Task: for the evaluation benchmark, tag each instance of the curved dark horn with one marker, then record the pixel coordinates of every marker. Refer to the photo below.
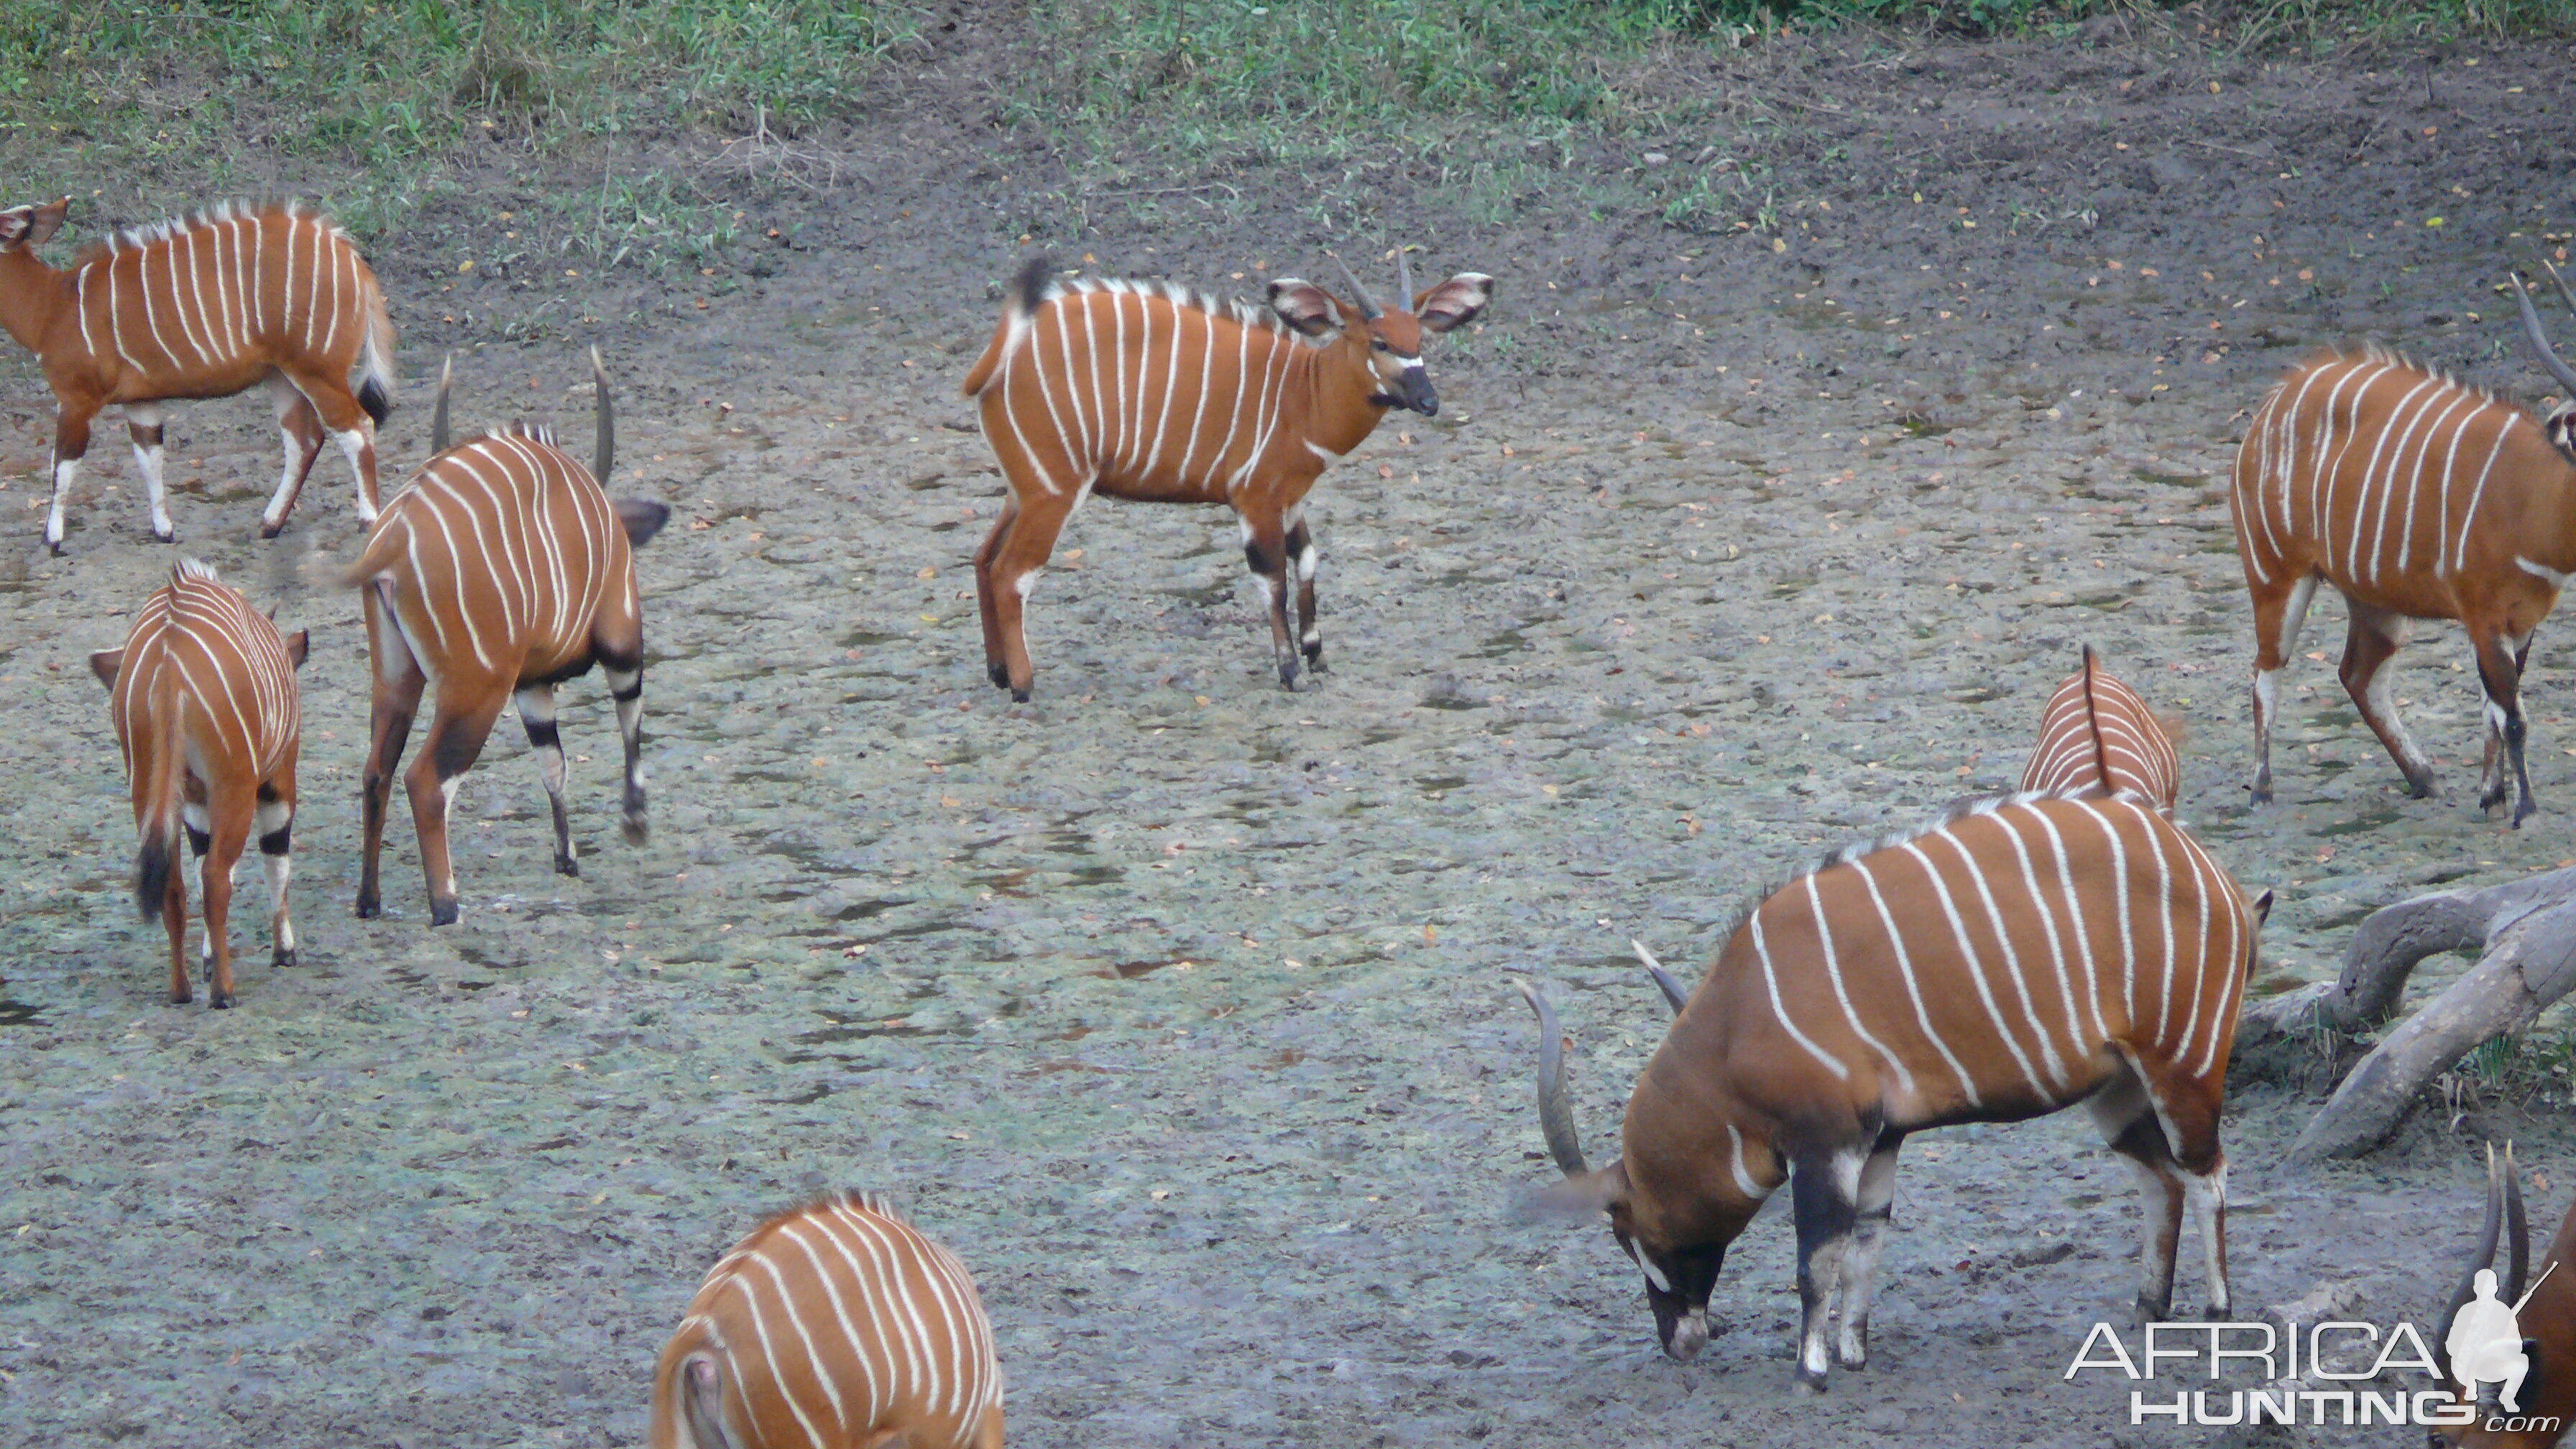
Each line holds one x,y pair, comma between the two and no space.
1369,310
1674,996
1403,279
1555,1119
2540,340
2483,1257
607,456
2563,294
2517,1232
438,415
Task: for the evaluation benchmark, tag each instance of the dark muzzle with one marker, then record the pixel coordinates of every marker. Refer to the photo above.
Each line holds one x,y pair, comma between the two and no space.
1413,390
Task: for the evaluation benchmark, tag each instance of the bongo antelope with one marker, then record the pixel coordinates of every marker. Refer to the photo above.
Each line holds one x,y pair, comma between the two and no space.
2099,734
2417,497
2017,956
836,1326
206,711
204,306
1150,392
2545,1398
499,571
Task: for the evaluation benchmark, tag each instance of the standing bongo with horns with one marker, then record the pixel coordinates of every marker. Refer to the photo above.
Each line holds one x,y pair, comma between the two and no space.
1150,392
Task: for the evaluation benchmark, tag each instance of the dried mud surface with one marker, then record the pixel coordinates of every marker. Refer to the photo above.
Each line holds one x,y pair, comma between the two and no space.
1175,1003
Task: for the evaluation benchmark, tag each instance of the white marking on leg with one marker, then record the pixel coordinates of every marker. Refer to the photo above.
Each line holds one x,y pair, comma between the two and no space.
350,443
147,458
1026,582
2207,1197
1306,559
64,468
279,869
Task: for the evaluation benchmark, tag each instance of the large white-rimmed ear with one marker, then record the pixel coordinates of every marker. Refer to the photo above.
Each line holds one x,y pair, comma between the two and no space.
1583,1195
1454,302
48,219
2262,909
15,226
298,644
2560,429
105,663
1304,306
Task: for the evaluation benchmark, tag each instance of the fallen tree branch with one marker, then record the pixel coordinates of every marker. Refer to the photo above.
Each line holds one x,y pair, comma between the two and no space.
2527,929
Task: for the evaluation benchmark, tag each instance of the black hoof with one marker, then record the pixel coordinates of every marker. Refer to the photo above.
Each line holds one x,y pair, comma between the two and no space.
219,1000
369,906
2419,789
442,913
2149,1311
181,998
170,537
1288,676
1000,674
2259,794
55,548
271,530
284,957
1810,1382
636,832
1315,658
566,865
1019,696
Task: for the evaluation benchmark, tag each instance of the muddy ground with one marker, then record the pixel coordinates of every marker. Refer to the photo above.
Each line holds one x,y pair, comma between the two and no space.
1174,1002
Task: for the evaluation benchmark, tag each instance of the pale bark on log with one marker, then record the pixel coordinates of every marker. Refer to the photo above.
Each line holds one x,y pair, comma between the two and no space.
2528,931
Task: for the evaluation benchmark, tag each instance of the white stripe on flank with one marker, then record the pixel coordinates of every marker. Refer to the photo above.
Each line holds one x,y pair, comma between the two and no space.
2012,956
1064,310
152,314
2468,520
2048,927
1913,988
1206,355
2417,480
2329,459
881,1397
1834,974
2076,928
823,1376
2387,483
1037,373
1103,441
1171,355
741,1283
1122,447
1969,963
1771,980
898,1296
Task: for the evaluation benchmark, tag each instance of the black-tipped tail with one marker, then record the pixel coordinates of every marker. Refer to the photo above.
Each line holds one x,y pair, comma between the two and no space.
373,397
1028,289
151,875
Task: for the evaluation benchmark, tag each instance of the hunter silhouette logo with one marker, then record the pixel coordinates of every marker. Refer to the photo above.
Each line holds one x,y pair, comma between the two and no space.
2486,1343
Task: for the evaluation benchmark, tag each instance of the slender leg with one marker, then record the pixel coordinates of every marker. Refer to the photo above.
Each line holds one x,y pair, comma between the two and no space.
398,684
300,431
2374,638
2500,671
986,605
1824,1188
231,812
350,427
143,428
454,742
1874,1204
71,441
537,713
174,919
626,687
2279,615
2128,1123
1016,562
277,860
2207,1193
1265,549
1301,556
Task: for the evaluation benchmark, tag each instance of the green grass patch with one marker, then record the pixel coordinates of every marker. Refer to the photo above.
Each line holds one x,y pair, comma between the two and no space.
172,101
